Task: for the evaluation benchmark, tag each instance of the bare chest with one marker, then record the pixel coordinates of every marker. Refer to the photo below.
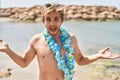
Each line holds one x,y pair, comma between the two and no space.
43,50
45,55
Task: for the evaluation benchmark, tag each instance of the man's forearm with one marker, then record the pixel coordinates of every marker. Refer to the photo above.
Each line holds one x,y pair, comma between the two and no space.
16,58
89,59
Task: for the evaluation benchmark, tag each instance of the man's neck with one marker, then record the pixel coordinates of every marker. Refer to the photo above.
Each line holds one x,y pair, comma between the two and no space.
56,37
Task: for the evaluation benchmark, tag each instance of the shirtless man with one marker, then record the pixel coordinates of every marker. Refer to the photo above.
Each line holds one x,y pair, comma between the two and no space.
52,18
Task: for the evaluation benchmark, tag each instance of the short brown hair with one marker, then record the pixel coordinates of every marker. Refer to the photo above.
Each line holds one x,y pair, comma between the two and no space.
47,8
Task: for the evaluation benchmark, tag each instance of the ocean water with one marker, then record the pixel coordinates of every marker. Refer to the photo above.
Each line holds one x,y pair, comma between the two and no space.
91,36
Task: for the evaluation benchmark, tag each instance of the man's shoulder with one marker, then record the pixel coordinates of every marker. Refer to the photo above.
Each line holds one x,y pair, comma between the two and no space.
72,35
36,37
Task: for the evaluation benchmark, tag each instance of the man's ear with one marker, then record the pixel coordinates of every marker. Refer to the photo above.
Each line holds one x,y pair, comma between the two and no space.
43,19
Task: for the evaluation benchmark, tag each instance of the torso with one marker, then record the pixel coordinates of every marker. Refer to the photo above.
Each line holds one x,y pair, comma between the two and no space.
47,62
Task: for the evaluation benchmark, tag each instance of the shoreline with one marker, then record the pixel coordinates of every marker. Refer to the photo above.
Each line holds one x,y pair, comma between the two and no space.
99,70
8,19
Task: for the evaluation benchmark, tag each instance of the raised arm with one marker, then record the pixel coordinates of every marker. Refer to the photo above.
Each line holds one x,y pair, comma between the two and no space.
21,61
83,60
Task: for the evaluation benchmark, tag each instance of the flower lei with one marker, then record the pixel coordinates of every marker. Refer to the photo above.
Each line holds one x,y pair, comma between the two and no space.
64,64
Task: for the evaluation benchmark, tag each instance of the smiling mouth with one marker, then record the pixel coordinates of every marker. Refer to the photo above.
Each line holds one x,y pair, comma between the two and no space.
53,29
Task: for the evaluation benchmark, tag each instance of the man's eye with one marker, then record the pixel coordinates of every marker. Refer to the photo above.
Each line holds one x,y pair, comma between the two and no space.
48,20
56,19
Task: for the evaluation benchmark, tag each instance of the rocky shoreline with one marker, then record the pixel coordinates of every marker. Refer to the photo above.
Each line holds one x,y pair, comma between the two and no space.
73,12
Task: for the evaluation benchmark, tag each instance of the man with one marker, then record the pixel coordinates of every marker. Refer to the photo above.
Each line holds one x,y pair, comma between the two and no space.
55,48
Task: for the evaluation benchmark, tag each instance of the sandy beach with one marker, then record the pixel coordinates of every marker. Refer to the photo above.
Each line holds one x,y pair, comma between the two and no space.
17,73
6,19
100,70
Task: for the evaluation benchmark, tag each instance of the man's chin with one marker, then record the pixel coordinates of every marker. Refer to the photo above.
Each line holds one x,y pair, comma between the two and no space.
53,33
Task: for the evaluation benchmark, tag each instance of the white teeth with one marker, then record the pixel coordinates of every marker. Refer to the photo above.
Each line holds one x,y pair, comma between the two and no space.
53,29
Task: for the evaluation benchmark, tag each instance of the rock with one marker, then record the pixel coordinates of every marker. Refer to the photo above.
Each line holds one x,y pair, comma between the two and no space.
5,73
72,12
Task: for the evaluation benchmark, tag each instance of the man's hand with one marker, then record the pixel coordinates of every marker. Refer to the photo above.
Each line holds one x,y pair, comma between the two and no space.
3,46
104,54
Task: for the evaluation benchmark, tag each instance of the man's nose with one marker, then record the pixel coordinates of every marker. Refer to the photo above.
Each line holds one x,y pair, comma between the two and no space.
53,23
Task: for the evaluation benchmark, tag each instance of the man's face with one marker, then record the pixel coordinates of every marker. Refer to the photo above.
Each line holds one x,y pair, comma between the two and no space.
53,22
